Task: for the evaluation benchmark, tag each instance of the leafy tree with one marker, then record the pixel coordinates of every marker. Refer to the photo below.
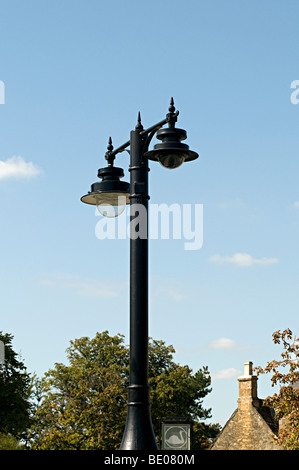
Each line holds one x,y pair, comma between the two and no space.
15,390
175,391
286,402
84,403
204,434
8,442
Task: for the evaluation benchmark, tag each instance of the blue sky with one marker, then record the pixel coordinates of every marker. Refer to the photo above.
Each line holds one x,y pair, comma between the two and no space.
78,72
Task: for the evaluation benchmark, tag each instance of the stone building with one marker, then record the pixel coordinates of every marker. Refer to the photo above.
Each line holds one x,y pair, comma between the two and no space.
252,426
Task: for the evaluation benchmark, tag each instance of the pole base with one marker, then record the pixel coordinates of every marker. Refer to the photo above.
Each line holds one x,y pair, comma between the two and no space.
138,433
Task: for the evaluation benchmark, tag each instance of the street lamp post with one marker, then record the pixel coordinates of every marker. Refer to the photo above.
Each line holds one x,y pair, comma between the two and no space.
171,153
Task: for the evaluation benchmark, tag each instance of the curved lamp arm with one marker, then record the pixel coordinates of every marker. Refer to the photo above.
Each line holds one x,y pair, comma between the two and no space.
149,133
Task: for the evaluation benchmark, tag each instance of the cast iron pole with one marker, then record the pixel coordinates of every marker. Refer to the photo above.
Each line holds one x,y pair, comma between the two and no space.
138,434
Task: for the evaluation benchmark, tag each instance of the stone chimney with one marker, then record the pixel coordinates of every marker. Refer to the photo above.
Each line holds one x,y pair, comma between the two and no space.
247,389
251,426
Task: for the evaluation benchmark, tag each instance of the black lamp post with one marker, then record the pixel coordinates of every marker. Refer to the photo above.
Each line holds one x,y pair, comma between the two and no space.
109,193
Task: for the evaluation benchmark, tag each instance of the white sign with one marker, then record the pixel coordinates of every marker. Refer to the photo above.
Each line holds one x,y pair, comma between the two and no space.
176,436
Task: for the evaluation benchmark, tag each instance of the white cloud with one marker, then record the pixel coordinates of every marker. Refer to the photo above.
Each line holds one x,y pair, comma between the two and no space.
16,167
85,287
242,259
223,343
225,374
296,204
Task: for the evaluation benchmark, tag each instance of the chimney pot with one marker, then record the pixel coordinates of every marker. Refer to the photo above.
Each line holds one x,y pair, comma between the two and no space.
247,368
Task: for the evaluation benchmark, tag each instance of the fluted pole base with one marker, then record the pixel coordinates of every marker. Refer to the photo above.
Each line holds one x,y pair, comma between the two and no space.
138,434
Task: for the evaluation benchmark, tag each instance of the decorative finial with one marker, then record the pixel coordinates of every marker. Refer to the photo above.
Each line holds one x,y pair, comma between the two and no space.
108,155
172,116
110,146
171,108
139,125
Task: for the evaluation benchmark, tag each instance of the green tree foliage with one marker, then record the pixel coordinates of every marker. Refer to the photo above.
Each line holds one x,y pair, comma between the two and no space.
8,442
175,391
84,403
15,391
285,403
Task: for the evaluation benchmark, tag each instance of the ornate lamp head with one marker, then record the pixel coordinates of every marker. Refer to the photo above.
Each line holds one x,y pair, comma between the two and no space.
109,195
171,152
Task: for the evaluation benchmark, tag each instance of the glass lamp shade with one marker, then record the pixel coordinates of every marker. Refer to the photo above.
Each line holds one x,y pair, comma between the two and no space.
108,204
171,160
111,204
